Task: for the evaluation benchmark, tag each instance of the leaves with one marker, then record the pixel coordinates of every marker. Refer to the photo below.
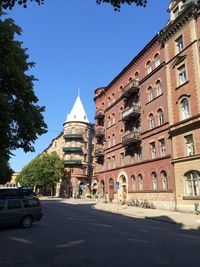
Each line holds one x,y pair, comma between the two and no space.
42,171
9,4
21,119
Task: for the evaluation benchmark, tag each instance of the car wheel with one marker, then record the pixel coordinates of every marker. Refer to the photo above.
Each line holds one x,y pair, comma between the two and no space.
27,222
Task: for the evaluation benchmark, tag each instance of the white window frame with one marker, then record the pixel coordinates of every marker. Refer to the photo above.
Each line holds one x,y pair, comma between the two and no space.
185,108
192,184
153,150
182,77
162,147
189,143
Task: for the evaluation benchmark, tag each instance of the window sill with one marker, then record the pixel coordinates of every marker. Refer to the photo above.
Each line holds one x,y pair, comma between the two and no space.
153,99
191,198
178,87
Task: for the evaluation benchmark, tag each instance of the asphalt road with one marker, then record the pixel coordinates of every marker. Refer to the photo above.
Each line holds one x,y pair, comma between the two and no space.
79,236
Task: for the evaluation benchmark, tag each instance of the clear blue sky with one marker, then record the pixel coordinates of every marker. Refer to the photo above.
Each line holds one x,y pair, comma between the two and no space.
77,43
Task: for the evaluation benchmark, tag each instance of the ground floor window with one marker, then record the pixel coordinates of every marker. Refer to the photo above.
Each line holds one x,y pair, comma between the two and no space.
192,183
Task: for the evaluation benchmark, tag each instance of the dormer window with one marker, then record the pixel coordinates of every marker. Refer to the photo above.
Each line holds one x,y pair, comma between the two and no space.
179,43
176,12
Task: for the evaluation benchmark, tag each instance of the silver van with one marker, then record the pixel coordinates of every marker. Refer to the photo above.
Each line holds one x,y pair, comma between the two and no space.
20,210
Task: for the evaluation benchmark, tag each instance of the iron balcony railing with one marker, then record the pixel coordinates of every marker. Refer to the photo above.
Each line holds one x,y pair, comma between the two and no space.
132,137
99,152
73,162
100,113
132,111
72,149
99,132
73,136
131,88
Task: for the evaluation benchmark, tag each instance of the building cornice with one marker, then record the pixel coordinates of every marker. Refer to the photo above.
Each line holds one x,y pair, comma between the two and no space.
190,12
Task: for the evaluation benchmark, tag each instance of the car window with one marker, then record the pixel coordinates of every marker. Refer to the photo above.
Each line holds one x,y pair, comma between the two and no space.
30,203
14,204
2,204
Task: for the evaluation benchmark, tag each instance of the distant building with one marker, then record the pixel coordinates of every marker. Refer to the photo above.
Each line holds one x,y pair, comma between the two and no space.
12,182
75,146
148,119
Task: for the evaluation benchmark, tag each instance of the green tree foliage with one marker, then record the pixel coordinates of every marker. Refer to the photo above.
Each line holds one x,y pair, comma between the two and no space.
115,3
42,171
21,119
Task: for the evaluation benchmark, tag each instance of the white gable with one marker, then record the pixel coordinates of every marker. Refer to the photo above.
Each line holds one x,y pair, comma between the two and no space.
77,113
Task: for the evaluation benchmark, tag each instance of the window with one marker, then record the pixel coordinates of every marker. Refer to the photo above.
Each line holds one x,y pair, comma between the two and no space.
73,130
154,181
162,147
189,145
113,139
133,183
153,150
113,98
14,204
113,161
109,102
122,159
179,43
182,75
140,179
149,67
150,93
157,60
109,121
113,118
109,142
158,88
151,121
164,180
109,163
137,76
29,203
185,110
160,117
176,12
192,183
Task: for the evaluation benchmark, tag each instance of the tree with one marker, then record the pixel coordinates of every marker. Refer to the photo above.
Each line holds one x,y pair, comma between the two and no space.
21,119
115,3
41,172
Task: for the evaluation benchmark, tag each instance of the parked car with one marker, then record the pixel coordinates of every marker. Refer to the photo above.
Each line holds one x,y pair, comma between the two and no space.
19,209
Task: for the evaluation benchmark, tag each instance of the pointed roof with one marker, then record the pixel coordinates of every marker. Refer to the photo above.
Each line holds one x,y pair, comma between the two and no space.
77,113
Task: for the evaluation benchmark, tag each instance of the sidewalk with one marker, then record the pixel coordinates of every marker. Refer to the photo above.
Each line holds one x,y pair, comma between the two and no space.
185,220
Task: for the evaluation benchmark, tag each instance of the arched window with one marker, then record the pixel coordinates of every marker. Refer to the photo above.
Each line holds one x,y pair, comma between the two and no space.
113,118
109,102
185,108
159,88
109,142
157,60
133,183
137,76
113,98
151,121
150,93
140,179
164,180
149,67
109,121
154,181
160,117
113,139
192,184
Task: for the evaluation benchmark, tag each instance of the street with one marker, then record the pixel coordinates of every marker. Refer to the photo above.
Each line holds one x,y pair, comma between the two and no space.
78,235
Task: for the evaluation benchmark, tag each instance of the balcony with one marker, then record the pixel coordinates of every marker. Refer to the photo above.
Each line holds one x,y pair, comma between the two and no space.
73,162
100,113
131,88
99,152
130,138
73,136
99,132
130,112
72,149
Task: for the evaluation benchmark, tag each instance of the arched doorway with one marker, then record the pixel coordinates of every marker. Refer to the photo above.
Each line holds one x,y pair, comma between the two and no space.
111,189
123,189
82,188
102,188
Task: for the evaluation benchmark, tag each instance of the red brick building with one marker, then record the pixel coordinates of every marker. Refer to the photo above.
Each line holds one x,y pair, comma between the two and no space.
135,116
